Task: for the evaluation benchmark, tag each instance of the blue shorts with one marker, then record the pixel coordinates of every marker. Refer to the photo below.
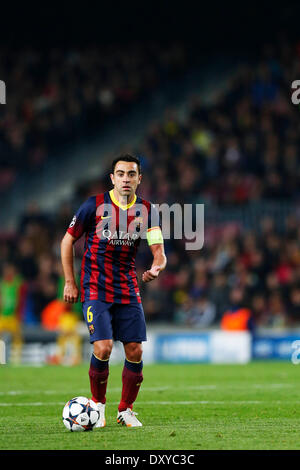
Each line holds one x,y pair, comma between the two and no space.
120,322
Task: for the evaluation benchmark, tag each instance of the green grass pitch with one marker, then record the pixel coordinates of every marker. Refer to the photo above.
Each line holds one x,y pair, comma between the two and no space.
182,407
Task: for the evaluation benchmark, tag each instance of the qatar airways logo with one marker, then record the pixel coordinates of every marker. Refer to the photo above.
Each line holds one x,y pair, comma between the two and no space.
120,237
180,222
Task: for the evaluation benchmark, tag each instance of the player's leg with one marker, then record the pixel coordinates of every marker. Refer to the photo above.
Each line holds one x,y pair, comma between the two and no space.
98,319
130,328
98,374
132,377
99,369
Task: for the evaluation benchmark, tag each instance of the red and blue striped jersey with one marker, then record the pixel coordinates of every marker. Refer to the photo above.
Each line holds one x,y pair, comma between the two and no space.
112,236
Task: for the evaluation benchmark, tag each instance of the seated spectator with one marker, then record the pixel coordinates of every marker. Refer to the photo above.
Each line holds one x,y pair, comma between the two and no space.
294,306
238,317
259,309
202,312
277,312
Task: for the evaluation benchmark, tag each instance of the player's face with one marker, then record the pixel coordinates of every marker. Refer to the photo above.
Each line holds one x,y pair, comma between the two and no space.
126,178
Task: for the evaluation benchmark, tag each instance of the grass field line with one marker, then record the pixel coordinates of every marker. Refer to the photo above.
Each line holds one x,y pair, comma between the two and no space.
112,389
167,403
152,389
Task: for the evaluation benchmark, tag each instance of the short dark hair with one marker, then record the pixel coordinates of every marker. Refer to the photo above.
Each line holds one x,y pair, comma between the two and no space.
126,157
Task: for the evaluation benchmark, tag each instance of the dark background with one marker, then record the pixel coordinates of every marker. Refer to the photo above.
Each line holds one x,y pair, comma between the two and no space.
210,25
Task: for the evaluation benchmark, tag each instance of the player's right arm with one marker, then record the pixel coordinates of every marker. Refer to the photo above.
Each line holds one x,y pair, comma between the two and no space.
71,292
80,224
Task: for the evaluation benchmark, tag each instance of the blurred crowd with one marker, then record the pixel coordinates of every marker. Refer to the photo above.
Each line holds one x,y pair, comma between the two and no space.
243,148
59,96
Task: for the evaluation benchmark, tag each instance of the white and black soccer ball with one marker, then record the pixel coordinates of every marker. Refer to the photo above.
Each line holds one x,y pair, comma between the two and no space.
80,414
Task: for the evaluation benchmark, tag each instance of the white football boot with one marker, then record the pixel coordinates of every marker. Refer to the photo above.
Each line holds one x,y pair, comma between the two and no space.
101,421
128,418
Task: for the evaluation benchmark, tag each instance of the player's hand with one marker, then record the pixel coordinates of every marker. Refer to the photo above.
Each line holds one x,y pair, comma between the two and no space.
71,293
151,274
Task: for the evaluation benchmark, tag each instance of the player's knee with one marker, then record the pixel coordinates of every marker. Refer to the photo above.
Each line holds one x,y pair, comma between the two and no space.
134,352
102,350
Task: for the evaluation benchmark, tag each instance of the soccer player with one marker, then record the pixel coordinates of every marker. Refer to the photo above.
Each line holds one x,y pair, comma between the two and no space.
114,223
10,301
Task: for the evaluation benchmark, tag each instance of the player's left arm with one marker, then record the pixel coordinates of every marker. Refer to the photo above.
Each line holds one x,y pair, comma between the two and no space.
156,244
159,262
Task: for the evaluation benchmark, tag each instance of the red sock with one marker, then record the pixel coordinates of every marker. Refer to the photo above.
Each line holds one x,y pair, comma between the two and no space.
132,378
98,374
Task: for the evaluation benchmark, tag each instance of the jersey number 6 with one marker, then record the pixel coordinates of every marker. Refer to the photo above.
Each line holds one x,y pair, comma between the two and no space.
89,315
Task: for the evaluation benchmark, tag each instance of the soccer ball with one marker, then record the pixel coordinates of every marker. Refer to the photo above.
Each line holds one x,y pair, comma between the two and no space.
80,414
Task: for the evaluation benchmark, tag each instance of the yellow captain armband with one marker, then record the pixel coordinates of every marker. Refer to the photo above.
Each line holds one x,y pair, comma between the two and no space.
154,235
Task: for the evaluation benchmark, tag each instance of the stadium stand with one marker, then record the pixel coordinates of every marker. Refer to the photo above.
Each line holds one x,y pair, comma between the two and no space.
70,93
235,156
